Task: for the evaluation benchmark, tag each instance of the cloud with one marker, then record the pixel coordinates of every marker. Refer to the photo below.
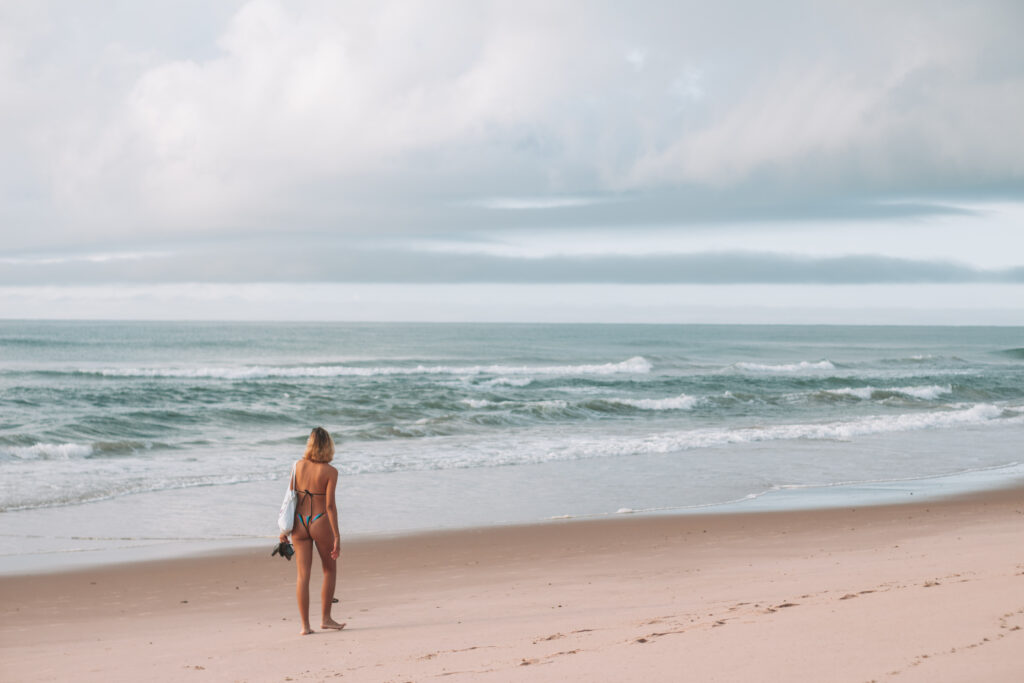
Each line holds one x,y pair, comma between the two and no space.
396,117
273,261
978,304
528,203
66,258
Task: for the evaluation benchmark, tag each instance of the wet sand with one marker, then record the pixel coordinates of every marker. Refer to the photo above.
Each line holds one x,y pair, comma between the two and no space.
923,592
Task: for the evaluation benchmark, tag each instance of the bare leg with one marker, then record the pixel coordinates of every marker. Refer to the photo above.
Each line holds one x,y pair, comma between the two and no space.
303,564
324,544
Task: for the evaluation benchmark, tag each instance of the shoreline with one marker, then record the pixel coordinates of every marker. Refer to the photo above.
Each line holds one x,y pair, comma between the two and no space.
713,516
929,590
932,489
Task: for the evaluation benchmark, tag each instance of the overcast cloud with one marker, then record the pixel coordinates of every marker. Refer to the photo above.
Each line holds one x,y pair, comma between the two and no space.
295,263
442,142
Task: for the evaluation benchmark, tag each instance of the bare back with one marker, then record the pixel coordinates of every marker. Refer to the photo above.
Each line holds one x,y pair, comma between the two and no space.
315,483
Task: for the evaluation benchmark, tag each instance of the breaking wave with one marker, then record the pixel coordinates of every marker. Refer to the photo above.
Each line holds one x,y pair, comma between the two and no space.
47,451
635,365
802,366
681,402
73,451
669,442
925,393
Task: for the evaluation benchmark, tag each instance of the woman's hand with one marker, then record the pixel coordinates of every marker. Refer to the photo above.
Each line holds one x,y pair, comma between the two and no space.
283,538
337,549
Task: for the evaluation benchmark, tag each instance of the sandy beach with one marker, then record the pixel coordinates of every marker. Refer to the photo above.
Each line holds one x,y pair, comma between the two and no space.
930,592
648,342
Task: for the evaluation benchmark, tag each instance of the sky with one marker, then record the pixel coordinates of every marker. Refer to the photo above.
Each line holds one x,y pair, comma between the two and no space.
792,162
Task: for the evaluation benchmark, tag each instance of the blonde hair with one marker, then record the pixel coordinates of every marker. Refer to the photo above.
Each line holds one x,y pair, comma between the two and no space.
320,446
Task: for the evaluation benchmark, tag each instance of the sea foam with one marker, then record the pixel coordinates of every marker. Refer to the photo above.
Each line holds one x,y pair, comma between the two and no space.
537,448
507,382
802,366
681,402
669,442
48,451
557,404
635,365
926,393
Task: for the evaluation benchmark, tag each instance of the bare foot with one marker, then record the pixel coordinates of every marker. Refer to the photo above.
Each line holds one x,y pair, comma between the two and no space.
331,623
306,630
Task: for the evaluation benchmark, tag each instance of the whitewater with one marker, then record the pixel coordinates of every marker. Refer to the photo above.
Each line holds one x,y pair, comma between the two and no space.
455,425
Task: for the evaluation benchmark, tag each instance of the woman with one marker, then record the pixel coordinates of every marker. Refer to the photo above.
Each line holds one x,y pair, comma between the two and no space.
316,521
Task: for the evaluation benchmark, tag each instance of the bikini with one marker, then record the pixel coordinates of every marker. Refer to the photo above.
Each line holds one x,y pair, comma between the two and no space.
306,521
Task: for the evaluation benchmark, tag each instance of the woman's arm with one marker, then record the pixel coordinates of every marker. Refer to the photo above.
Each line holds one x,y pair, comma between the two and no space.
332,511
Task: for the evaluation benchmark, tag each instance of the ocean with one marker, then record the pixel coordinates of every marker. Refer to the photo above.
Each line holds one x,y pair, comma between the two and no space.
128,435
